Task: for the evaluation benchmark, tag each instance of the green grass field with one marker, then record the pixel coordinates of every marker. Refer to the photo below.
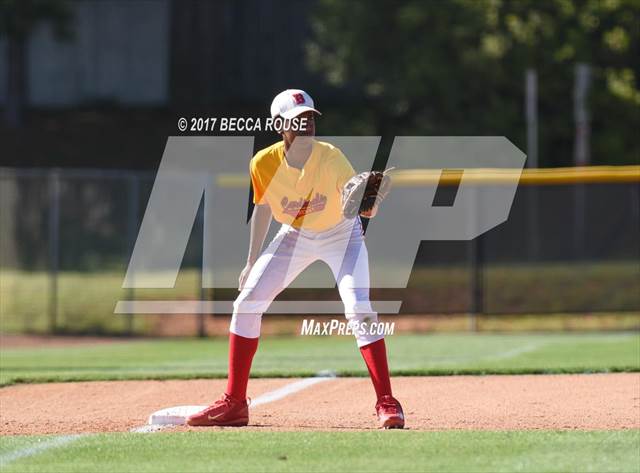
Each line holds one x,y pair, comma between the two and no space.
387,451
437,354
238,450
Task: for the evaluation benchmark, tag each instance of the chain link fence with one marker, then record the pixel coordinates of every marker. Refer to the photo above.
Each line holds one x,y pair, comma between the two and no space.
66,237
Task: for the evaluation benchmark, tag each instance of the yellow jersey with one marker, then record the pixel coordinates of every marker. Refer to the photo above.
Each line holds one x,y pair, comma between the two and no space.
308,198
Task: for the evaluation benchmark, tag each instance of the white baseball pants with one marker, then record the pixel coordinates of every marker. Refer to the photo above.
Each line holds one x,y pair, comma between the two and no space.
289,253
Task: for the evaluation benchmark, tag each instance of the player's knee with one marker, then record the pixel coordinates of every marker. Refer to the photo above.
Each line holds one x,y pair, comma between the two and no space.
246,325
247,316
247,303
239,301
363,320
360,312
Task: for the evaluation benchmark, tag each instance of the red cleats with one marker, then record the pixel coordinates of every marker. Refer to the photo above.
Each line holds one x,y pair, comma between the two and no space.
390,413
226,411
231,412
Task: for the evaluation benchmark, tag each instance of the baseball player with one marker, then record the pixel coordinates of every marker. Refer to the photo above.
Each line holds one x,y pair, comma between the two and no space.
299,181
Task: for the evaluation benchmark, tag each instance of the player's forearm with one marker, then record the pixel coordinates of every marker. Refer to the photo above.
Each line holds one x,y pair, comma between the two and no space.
260,222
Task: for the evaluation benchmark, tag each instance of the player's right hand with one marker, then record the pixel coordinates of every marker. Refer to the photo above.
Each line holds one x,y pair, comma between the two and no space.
244,275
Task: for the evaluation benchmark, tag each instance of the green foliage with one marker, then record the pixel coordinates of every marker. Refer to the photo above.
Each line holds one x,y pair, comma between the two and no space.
457,67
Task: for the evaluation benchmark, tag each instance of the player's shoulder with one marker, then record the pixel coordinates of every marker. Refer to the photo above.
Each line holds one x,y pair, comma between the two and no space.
269,154
328,149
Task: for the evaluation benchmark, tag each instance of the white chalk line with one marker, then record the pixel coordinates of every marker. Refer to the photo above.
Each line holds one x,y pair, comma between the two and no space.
265,398
514,352
288,389
500,355
59,441
39,447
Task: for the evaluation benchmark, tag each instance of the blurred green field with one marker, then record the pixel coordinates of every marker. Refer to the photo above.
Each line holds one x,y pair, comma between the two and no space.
86,300
437,354
383,451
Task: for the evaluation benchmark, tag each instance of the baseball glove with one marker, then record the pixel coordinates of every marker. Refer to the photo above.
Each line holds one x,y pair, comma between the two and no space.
364,192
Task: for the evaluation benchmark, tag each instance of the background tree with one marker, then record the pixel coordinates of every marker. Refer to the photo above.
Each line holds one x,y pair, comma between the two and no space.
457,67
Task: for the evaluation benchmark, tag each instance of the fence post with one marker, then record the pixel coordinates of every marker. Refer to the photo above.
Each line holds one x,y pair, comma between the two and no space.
477,265
202,329
531,113
582,153
132,226
477,281
54,247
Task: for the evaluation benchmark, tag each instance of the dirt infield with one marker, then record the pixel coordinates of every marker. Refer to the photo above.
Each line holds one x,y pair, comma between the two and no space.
589,402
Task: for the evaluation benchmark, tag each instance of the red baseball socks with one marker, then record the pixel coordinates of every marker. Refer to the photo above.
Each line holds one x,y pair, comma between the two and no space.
241,351
375,356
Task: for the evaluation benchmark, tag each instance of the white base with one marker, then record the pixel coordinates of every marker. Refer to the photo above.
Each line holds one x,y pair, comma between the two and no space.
176,415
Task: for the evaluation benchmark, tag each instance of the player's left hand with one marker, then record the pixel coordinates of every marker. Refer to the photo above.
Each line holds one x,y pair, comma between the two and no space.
363,193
